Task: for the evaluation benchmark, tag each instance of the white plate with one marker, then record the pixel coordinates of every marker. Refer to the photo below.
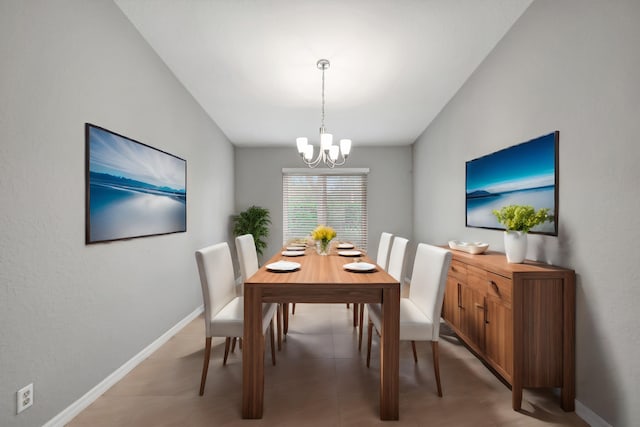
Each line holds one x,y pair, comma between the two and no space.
295,248
292,253
299,245
345,246
359,266
349,253
283,266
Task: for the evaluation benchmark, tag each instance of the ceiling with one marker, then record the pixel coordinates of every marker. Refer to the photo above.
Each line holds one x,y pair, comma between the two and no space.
251,64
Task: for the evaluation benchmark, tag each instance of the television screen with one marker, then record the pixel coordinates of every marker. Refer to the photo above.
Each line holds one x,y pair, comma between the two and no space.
132,189
524,174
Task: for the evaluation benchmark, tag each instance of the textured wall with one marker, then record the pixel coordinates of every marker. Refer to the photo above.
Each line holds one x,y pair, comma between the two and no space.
571,66
70,314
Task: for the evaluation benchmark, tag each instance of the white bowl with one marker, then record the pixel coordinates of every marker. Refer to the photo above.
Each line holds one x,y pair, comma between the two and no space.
473,248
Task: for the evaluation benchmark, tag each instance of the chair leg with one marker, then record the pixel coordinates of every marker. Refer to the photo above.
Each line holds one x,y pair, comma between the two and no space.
293,309
227,341
233,344
285,319
279,323
347,305
436,365
370,332
273,347
415,355
360,325
205,366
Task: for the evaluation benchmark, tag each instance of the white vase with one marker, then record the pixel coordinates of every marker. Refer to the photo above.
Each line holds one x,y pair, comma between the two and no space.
515,246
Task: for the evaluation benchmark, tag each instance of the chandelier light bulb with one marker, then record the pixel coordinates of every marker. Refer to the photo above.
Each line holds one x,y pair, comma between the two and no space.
308,152
302,144
345,147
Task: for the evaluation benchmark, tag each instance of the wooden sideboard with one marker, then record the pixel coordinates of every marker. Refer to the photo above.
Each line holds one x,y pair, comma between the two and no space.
518,318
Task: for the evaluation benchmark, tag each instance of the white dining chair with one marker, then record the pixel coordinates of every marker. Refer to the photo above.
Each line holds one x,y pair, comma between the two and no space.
420,312
383,250
248,260
381,259
223,309
395,268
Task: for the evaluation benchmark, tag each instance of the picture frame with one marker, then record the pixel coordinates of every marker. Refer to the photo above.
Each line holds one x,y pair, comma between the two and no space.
523,174
132,189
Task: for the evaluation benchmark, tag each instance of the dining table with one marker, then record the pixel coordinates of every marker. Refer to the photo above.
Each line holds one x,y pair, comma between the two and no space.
315,278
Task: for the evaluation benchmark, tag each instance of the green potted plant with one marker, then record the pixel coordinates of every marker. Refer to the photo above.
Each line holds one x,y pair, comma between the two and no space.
518,220
255,221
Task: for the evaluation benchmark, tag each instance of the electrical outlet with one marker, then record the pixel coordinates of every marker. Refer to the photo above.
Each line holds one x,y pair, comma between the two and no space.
25,397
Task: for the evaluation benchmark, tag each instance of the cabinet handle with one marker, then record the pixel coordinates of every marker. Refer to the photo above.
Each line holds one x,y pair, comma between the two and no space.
486,312
479,306
495,287
460,297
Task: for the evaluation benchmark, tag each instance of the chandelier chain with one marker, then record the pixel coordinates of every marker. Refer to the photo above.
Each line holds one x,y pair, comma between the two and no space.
322,120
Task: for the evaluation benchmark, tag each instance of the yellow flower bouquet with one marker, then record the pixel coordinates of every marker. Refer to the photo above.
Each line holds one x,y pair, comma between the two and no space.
323,235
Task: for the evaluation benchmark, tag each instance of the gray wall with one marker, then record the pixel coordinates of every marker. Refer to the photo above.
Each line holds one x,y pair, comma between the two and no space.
571,66
71,314
259,182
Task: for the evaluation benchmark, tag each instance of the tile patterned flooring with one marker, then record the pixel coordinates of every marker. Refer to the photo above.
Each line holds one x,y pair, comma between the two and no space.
320,380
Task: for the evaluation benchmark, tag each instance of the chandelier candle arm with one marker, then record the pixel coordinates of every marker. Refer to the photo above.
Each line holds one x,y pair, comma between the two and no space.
328,154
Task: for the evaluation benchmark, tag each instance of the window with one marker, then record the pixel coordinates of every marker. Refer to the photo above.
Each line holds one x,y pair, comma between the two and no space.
337,198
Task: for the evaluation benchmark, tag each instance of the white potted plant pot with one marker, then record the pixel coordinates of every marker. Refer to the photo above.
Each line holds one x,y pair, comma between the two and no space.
515,246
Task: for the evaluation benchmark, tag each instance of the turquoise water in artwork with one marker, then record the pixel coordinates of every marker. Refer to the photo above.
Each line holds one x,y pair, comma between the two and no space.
120,211
479,210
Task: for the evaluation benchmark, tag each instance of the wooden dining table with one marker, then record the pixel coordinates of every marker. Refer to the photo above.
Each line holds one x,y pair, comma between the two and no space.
319,279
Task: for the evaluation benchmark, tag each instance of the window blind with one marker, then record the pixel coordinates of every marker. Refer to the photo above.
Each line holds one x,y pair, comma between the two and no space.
338,200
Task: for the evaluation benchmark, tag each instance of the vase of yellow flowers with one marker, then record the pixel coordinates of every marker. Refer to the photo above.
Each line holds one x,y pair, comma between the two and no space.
323,236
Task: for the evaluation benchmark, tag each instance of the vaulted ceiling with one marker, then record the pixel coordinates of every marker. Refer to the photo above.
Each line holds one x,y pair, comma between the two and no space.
251,64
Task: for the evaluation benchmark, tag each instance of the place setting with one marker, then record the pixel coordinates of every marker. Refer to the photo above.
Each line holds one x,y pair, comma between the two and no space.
350,253
360,267
283,266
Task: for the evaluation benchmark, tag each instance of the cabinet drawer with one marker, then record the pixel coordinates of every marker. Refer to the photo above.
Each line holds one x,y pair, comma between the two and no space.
477,278
499,287
458,270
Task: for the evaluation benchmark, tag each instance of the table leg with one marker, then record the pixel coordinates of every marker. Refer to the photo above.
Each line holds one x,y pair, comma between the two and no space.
252,355
389,354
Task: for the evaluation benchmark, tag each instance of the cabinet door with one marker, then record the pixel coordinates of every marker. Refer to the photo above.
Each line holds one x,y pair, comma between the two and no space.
450,311
472,315
499,336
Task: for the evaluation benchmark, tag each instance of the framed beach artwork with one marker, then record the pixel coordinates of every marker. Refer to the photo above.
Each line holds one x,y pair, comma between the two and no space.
524,174
132,189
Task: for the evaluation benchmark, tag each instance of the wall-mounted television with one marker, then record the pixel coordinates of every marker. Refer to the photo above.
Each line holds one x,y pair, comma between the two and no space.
524,174
132,189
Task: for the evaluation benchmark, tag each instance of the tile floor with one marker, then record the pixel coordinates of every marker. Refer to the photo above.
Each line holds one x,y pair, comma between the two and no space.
320,380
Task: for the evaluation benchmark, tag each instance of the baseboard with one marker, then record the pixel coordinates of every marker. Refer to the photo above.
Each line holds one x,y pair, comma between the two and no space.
589,416
79,405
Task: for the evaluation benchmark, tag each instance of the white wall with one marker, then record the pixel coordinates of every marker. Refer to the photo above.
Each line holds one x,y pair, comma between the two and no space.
571,66
70,314
258,175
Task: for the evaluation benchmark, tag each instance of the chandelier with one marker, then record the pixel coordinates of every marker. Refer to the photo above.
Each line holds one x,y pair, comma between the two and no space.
329,154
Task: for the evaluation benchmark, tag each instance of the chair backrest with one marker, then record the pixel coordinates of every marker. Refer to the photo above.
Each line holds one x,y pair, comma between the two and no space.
396,258
216,277
383,250
428,282
247,255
